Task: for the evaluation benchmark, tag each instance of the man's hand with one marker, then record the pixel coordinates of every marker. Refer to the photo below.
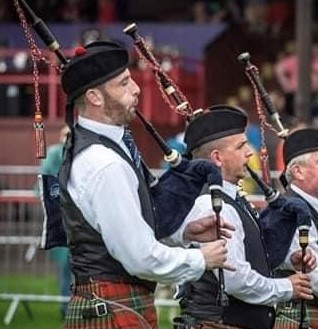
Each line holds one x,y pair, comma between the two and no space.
309,260
215,255
204,229
301,286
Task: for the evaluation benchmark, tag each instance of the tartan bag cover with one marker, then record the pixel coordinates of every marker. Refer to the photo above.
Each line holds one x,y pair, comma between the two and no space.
128,306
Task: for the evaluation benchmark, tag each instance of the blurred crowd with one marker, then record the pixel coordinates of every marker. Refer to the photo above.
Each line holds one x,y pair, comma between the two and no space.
259,14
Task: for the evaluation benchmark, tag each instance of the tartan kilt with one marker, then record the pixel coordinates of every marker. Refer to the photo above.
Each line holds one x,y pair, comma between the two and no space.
288,316
129,306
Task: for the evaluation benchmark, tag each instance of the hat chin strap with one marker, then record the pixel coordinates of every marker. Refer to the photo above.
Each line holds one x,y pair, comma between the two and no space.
69,114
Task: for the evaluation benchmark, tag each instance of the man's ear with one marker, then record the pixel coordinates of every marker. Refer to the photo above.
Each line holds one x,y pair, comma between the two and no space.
297,172
95,97
216,157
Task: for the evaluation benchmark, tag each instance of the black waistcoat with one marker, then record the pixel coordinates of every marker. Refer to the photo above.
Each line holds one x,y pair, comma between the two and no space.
89,255
201,297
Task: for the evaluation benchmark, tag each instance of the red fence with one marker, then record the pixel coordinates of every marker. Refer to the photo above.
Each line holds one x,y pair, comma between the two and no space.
187,74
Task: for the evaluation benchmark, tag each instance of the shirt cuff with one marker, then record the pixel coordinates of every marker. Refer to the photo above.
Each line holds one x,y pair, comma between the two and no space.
284,289
197,261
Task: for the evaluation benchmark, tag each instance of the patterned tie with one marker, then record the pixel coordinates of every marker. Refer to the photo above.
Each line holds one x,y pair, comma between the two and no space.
130,143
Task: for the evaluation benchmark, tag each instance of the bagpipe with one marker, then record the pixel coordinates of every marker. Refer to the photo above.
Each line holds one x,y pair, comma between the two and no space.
173,193
283,215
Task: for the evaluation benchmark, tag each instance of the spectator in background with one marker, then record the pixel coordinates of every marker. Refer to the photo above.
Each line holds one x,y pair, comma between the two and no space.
106,11
200,13
122,9
48,10
216,11
279,15
4,11
255,15
286,71
87,36
230,11
90,35
78,11
59,255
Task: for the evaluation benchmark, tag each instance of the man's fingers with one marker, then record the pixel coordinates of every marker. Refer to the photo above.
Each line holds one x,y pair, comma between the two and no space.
225,234
306,293
227,225
229,267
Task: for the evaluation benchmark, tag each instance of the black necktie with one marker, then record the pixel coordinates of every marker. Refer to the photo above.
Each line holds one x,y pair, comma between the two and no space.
131,145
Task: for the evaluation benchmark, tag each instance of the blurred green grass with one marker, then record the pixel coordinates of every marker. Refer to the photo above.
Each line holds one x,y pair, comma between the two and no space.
44,315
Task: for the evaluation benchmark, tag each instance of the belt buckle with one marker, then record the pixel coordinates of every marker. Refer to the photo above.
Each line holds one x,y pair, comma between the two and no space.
100,309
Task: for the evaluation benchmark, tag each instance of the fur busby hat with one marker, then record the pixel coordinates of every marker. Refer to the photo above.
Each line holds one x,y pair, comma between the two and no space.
300,142
93,65
217,122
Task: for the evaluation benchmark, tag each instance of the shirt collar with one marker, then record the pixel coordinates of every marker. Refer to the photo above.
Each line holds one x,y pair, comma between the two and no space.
230,189
309,198
111,131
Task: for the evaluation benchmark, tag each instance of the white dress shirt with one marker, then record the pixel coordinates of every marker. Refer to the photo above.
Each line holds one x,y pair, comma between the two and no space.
313,238
245,283
105,188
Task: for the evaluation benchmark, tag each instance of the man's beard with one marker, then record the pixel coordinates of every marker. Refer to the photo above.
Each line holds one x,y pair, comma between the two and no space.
119,114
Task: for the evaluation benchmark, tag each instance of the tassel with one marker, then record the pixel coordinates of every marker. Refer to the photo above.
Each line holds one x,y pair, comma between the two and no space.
40,145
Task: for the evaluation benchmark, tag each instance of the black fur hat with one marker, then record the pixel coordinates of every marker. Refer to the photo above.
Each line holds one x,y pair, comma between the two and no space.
217,122
93,65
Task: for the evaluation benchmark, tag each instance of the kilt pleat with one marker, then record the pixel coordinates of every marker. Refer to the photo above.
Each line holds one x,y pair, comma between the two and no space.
129,306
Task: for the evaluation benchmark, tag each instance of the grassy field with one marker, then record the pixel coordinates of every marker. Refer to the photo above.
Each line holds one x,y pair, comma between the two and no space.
41,315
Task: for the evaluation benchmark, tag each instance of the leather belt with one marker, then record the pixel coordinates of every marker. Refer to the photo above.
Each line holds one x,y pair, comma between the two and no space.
96,311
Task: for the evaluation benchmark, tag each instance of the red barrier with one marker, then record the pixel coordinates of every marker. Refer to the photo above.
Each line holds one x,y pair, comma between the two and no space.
187,74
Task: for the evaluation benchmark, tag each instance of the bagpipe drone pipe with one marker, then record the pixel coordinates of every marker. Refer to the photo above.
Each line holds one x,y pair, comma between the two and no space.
284,215
173,193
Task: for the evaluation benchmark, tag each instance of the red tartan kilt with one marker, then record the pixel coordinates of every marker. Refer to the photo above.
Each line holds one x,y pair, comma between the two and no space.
129,307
